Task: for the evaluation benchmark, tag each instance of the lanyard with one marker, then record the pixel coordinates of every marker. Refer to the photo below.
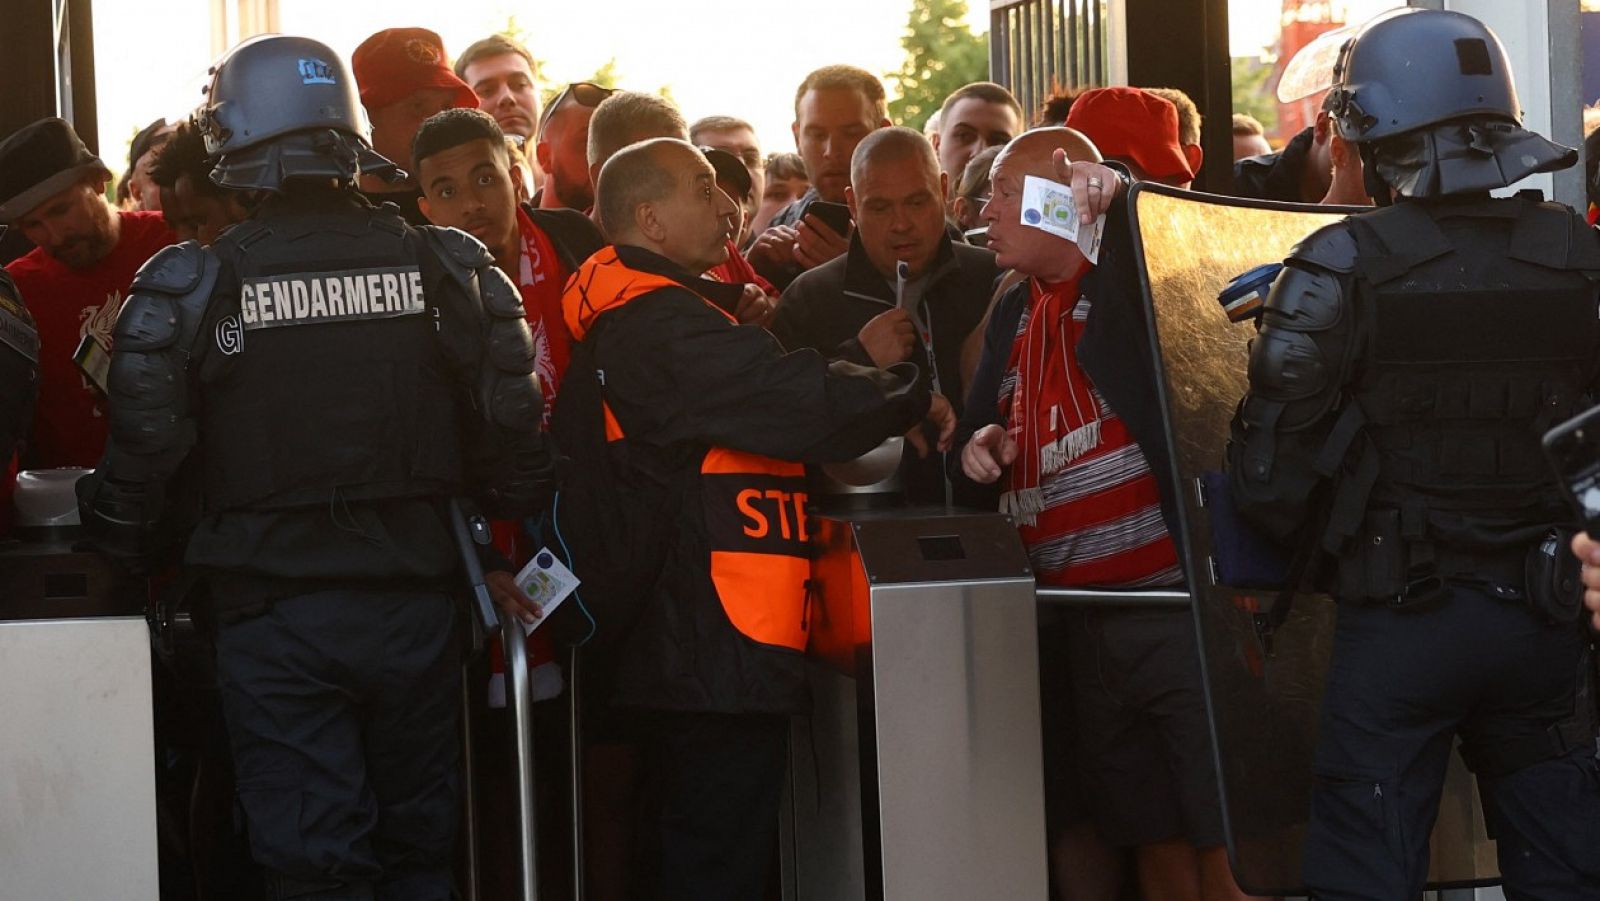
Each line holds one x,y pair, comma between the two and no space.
924,329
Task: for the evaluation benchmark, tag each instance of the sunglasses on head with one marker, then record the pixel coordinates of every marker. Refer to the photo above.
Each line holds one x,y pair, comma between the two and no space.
586,93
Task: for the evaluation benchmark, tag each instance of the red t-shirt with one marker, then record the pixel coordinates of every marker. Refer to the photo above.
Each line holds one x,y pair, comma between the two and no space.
69,423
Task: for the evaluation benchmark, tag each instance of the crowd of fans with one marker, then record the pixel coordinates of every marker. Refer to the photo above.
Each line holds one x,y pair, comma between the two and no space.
926,263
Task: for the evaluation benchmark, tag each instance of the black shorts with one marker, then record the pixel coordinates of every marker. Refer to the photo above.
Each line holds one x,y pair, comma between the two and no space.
1064,804
1143,759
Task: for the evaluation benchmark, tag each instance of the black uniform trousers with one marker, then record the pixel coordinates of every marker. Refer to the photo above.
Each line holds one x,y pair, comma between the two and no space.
709,792
342,710
1401,687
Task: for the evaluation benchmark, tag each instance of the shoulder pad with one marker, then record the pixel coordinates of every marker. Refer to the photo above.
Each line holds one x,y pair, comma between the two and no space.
241,235
500,297
1556,237
173,270
1330,247
459,246
146,322
387,218
1305,300
154,318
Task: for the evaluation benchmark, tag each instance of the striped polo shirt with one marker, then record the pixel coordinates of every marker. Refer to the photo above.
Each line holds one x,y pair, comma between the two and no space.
1101,525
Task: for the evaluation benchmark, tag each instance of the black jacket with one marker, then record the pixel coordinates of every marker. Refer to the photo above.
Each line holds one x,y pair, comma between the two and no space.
680,379
1115,351
1275,176
826,307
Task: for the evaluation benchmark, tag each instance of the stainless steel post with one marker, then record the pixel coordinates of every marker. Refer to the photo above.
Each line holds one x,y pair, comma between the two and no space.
575,771
919,772
520,697
468,794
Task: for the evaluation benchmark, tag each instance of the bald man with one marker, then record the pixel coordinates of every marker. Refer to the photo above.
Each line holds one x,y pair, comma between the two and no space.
1063,420
853,307
709,423
628,117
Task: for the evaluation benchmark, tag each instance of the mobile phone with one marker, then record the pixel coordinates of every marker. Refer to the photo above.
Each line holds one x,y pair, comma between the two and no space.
1574,451
94,362
834,215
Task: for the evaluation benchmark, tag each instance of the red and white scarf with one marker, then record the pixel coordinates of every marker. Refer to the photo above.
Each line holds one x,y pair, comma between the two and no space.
1053,417
540,279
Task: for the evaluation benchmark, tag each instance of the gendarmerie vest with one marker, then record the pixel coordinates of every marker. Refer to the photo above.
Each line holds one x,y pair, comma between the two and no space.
326,378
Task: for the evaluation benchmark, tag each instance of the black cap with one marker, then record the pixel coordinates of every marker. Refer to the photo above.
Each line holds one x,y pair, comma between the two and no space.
39,161
149,138
730,169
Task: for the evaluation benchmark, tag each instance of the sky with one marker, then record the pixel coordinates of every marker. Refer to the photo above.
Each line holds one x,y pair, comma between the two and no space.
718,57
744,63
1253,24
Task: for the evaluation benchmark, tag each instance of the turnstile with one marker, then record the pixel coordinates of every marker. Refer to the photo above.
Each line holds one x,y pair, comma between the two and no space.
77,746
919,773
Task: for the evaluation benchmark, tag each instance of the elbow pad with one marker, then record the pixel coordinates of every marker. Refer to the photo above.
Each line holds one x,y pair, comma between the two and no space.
150,418
1300,358
512,398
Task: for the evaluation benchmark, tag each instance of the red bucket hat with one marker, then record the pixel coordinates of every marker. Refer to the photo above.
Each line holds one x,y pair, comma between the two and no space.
397,62
1133,124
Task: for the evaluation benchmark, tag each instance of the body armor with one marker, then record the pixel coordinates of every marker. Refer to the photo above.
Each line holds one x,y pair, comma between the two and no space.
19,367
1413,356
325,375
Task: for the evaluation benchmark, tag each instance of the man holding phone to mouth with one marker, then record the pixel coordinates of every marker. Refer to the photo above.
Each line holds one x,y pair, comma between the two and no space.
903,290
835,107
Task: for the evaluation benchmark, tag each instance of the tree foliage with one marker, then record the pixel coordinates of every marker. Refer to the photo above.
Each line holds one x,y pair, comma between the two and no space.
605,76
942,54
1252,92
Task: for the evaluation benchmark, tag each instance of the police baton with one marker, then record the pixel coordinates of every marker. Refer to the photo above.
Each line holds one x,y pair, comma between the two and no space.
472,532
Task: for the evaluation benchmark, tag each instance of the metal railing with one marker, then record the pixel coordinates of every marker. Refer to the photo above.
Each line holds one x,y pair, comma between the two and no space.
519,697
1088,597
1036,46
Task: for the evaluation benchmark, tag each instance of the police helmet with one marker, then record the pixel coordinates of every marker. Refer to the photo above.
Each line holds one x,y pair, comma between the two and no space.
276,84
1413,68
279,107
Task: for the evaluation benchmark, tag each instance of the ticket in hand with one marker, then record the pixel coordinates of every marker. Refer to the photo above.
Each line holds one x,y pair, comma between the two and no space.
1048,206
548,582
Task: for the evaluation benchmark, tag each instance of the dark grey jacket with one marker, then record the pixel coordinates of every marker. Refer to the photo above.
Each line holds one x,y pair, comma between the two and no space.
825,307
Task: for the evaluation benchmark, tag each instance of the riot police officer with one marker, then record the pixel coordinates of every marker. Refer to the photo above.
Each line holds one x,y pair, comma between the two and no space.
1408,360
19,383
19,367
322,380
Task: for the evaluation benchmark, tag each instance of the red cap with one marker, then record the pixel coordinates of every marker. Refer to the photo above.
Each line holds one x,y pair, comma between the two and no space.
1133,124
398,62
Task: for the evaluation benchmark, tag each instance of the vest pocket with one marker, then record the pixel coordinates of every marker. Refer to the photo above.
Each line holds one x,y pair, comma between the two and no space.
1373,569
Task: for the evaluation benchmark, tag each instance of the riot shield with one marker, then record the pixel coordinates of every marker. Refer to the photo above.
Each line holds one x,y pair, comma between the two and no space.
1263,687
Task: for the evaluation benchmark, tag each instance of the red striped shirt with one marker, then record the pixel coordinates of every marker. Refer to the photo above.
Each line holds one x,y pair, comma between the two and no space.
1101,525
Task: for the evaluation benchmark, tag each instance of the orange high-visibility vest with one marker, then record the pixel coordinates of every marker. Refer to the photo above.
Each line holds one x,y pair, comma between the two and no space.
754,506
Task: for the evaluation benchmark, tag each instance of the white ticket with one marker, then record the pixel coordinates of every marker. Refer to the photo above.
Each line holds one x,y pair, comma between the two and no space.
1048,206
548,582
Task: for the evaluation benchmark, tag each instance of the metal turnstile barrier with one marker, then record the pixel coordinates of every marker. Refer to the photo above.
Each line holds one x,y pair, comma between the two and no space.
919,773
77,744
